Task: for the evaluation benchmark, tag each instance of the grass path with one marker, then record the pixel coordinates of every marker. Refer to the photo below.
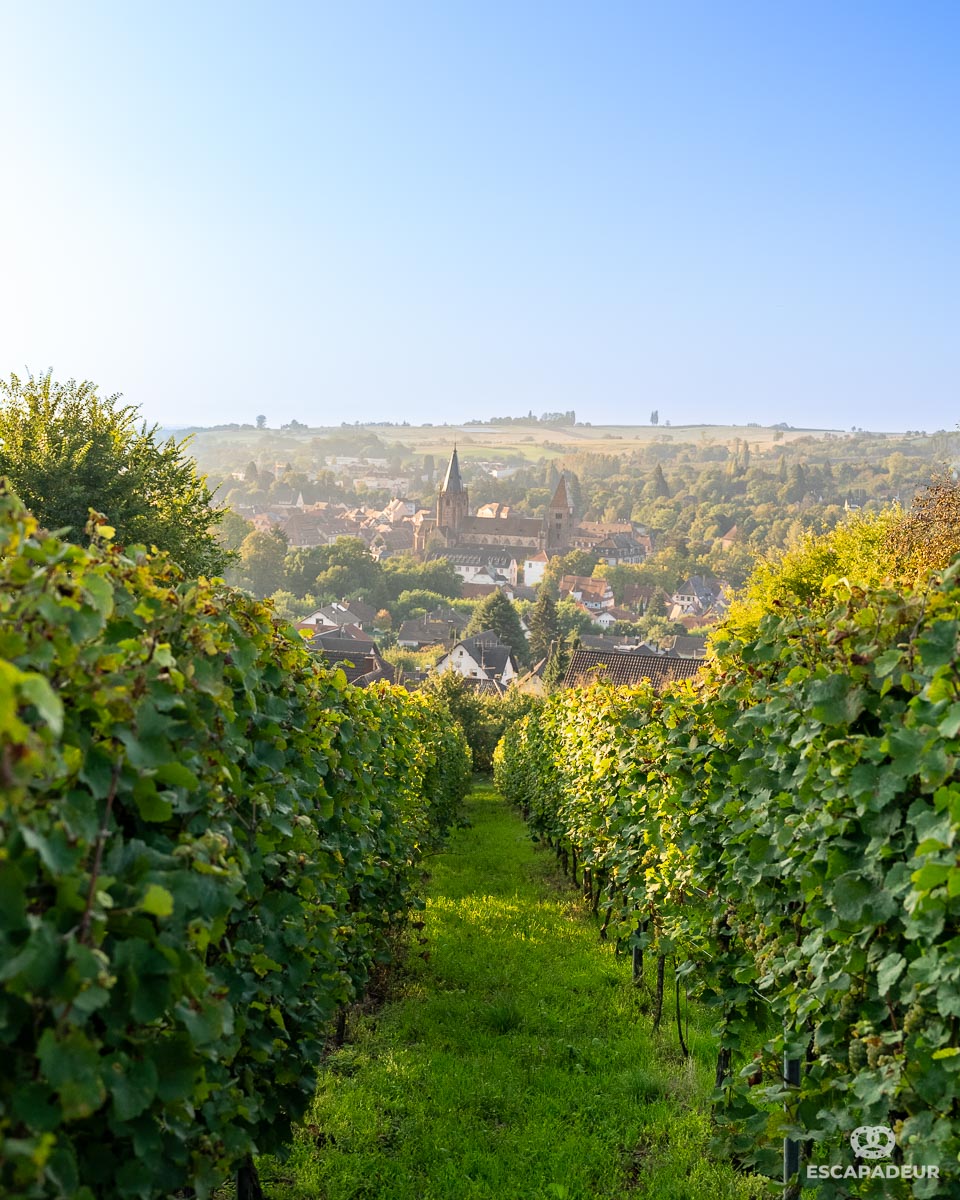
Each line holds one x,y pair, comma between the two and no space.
514,1060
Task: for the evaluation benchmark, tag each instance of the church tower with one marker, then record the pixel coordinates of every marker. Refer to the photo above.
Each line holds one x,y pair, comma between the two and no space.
453,498
560,522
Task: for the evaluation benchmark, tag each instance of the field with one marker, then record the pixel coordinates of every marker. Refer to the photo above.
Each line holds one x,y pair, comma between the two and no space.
532,441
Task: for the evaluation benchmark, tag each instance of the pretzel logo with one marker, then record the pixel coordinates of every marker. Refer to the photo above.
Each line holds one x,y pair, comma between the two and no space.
873,1141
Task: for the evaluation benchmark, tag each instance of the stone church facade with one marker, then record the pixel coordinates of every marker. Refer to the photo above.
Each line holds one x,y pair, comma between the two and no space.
454,527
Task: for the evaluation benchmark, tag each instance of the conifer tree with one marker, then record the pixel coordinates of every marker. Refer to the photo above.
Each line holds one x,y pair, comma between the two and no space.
497,613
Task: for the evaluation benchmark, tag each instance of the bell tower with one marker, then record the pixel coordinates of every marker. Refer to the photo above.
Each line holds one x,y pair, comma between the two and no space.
453,498
559,518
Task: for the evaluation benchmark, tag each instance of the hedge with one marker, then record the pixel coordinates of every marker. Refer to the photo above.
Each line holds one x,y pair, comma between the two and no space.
206,840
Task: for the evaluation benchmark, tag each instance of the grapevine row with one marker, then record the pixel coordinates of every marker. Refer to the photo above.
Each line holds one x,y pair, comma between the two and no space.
786,830
206,843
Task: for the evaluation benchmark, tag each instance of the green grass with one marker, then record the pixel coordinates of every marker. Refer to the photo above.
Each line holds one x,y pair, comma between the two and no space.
514,1059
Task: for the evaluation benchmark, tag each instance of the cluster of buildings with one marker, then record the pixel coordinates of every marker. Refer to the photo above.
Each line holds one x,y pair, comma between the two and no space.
699,601
499,545
496,548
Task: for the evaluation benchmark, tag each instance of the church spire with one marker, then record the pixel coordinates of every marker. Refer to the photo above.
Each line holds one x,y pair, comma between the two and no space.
452,482
453,498
560,498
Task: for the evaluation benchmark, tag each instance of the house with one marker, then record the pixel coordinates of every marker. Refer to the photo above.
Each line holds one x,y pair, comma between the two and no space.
685,646
399,509
531,684
336,615
534,567
729,539
625,669
361,662
618,548
365,613
494,564
694,596
593,594
333,635
414,635
606,618
482,656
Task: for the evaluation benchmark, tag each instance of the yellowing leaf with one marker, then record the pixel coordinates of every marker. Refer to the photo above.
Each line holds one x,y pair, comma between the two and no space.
157,900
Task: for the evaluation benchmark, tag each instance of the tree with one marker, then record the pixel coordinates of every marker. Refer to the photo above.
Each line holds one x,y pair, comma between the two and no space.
577,562
261,560
556,667
497,613
793,581
251,474
404,573
660,486
233,529
544,625
261,422
481,718
573,619
655,417
66,450
348,569
928,536
301,566
416,600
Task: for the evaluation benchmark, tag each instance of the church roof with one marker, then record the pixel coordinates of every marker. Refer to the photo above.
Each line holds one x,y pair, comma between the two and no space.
452,481
560,497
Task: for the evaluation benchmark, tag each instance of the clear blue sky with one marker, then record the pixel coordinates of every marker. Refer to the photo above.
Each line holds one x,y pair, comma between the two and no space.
433,211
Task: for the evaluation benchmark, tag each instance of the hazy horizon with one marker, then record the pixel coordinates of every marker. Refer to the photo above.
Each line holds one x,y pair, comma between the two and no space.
434,213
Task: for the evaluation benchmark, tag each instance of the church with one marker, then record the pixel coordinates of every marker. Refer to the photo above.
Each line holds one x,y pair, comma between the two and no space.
495,528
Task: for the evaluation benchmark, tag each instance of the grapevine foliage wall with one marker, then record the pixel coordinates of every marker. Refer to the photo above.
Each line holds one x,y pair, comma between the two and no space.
788,830
205,841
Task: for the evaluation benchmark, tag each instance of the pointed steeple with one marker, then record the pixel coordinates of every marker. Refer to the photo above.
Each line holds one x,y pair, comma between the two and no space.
560,497
559,524
453,500
451,481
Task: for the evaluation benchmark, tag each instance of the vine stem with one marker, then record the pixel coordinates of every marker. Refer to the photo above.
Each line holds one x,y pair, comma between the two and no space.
98,856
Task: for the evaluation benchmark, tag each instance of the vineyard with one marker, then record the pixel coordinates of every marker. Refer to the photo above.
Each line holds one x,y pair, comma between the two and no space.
207,842
782,837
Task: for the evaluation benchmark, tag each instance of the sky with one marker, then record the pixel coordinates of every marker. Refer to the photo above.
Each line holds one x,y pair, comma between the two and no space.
724,211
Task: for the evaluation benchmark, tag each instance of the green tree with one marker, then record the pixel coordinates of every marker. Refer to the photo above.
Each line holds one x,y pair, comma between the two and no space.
261,422
261,561
233,529
573,620
301,566
497,613
544,625
348,569
556,667
480,717
655,417
660,486
417,601
796,580
404,573
577,562
66,449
